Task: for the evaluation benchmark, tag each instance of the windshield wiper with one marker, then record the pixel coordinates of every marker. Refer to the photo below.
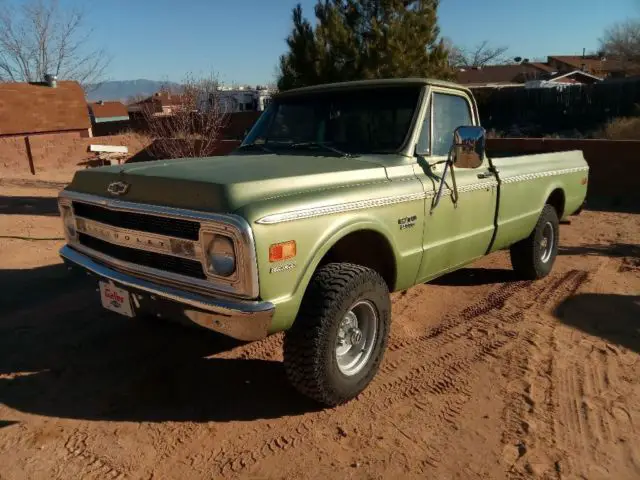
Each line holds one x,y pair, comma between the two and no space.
255,145
321,145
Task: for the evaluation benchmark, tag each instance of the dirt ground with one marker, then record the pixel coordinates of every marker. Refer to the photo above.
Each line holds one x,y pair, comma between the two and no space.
485,376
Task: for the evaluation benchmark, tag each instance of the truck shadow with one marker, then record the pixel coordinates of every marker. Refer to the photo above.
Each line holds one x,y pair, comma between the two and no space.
476,276
66,357
607,250
615,318
21,205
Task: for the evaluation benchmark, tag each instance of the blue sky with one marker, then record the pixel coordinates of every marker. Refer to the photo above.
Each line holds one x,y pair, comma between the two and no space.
242,39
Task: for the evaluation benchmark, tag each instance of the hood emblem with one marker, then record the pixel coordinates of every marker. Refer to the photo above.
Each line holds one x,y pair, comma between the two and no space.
118,188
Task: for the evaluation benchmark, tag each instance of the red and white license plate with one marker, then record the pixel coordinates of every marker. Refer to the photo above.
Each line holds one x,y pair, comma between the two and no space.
115,299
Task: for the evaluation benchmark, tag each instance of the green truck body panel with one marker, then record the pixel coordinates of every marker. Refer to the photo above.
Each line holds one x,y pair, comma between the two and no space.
317,200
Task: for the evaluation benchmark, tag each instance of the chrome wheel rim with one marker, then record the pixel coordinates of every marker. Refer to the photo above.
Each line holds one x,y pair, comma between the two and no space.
356,337
547,242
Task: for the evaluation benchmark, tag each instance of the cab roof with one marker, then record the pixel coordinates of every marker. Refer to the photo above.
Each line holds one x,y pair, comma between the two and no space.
384,82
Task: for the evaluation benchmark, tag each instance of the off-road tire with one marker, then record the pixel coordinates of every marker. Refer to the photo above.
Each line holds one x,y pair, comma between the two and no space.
309,346
526,255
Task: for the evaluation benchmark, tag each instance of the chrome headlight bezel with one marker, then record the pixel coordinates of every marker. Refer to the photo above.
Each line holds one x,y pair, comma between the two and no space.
67,215
220,256
242,270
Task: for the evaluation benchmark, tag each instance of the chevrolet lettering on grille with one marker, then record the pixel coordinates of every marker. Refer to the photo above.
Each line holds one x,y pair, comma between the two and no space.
139,240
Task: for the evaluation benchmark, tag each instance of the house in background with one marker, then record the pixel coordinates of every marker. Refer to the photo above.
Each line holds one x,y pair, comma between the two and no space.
598,65
102,112
158,104
559,71
50,107
552,74
500,76
244,98
563,80
108,117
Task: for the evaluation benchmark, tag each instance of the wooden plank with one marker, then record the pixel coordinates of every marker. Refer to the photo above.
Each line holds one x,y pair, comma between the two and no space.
108,148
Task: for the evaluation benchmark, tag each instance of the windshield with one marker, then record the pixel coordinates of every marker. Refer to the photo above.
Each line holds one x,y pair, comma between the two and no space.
343,122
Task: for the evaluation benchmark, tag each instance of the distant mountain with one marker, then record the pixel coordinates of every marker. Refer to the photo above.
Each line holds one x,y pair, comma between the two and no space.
124,89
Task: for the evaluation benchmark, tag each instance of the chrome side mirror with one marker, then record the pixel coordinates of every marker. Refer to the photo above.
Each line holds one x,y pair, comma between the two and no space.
469,143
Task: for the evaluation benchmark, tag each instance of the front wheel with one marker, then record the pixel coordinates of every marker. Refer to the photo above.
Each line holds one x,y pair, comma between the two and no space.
533,257
336,344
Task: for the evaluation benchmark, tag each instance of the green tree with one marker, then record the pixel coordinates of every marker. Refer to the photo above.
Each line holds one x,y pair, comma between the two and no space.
361,39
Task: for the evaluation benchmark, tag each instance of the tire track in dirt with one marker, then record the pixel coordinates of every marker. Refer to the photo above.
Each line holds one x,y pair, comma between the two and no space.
444,374
509,309
445,331
585,396
92,466
168,437
437,376
460,342
530,407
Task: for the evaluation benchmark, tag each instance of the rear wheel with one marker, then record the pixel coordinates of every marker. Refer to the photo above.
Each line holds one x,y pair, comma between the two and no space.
533,257
336,344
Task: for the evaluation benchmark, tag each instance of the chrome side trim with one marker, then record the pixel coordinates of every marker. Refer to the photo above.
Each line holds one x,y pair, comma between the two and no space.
384,201
244,320
339,208
472,187
250,282
535,175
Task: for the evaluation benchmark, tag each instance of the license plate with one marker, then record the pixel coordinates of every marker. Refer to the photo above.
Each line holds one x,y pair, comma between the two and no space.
115,299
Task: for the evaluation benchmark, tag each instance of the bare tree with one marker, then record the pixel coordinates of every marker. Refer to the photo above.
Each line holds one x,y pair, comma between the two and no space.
479,56
40,38
622,40
192,122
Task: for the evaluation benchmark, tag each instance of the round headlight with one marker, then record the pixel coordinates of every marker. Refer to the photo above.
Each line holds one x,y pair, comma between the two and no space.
222,256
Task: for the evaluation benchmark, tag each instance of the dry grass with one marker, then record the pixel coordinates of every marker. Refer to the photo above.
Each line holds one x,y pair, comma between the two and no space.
622,128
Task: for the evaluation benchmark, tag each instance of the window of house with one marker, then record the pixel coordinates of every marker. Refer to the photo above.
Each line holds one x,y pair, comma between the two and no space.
449,113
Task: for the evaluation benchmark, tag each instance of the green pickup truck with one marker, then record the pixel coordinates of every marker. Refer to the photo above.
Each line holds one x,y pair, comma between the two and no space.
339,194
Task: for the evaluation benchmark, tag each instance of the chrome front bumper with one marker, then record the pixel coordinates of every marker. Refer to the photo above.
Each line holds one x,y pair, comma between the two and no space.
240,319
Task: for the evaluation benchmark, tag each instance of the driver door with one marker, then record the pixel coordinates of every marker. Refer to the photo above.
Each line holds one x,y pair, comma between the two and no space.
455,232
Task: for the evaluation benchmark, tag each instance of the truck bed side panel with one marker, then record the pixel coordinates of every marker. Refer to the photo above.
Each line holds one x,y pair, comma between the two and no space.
526,184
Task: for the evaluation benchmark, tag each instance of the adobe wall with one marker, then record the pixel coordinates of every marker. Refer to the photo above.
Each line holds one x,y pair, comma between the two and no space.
56,151
13,154
50,152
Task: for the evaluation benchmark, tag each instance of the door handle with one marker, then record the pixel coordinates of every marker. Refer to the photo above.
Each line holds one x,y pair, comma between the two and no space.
486,174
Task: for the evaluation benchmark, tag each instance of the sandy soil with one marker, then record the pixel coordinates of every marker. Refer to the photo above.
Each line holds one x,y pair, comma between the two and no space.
485,377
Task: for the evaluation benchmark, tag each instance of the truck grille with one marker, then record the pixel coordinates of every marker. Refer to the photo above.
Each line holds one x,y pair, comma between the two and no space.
171,227
159,261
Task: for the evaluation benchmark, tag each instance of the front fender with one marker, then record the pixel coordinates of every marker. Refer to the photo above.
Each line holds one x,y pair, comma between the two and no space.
314,238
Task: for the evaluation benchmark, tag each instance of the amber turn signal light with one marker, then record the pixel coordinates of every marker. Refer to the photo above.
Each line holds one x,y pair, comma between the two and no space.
282,251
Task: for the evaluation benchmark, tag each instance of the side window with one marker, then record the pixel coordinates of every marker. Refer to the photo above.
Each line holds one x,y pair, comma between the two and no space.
450,112
423,147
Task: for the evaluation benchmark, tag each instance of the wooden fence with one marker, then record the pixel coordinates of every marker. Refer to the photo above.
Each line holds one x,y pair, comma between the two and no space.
546,111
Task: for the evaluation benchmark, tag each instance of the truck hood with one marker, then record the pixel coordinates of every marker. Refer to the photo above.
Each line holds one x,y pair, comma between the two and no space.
225,184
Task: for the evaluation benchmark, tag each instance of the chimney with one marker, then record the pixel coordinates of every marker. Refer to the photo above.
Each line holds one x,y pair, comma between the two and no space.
51,80
584,52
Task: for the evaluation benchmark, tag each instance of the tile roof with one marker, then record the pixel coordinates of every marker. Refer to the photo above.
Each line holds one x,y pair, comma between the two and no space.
543,66
498,74
108,109
37,108
595,63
